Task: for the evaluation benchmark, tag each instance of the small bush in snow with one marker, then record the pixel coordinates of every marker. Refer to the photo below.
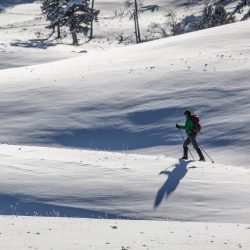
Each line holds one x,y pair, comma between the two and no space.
168,28
122,12
213,16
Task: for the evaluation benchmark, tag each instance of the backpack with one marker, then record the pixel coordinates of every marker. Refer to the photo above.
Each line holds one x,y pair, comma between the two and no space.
196,123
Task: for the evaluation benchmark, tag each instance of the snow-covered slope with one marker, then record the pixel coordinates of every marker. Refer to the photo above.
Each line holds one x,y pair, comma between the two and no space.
126,100
22,37
23,33
75,183
63,182
131,98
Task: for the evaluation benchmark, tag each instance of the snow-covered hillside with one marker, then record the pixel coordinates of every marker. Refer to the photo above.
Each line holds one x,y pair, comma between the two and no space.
102,185
69,129
130,98
63,182
23,33
20,44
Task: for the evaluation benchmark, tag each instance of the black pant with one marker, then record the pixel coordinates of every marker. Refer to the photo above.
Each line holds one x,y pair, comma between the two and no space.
191,139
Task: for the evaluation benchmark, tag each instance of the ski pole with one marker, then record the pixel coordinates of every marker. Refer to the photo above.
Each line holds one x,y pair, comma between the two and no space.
205,153
184,141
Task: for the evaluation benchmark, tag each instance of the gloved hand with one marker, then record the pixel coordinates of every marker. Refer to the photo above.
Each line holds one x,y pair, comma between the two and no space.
177,126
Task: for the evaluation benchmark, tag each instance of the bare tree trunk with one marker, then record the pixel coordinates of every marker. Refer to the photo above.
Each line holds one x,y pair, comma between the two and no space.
137,28
75,40
92,21
51,34
58,32
136,35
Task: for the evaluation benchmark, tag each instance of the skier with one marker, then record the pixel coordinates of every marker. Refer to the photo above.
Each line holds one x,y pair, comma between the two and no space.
191,136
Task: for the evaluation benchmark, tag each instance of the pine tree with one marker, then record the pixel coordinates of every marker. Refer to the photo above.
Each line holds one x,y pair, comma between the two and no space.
220,16
51,10
213,16
92,22
75,15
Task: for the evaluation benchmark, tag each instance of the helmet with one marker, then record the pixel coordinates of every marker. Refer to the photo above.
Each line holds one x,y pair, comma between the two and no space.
187,112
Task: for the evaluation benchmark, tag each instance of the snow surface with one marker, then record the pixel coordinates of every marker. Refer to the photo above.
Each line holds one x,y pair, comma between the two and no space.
77,183
57,182
64,234
130,98
22,38
23,33
75,112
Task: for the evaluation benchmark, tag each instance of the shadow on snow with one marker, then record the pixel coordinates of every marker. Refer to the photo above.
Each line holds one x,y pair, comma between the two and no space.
172,182
114,139
10,3
33,43
141,129
19,206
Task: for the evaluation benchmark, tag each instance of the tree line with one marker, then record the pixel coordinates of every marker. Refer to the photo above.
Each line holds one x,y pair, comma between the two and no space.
213,14
78,17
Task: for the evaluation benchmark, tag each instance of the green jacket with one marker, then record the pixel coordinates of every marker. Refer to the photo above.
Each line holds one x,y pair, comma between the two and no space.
188,125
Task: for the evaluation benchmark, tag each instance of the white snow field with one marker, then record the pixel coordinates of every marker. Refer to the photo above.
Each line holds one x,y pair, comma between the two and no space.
78,234
20,43
65,182
210,201
69,129
130,98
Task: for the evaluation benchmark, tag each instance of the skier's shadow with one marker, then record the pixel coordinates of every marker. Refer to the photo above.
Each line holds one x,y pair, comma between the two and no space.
172,182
